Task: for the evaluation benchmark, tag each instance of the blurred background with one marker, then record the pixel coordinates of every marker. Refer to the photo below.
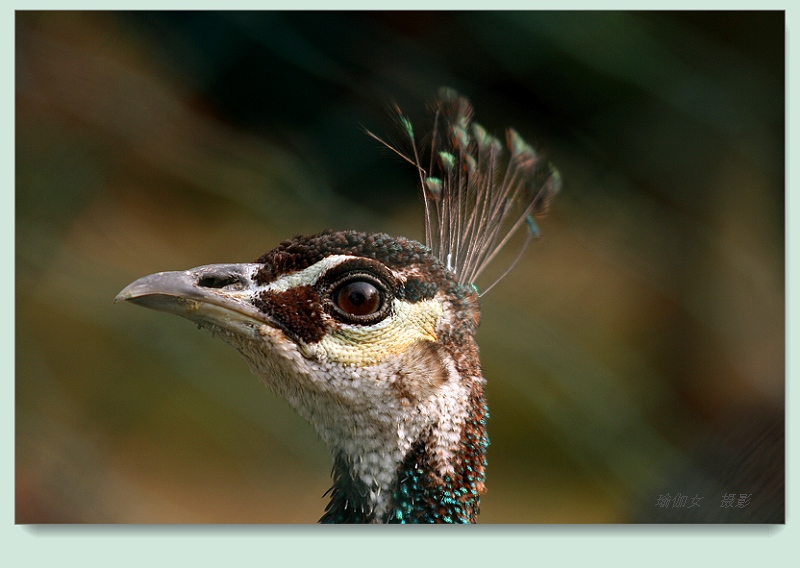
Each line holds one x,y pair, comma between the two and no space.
636,352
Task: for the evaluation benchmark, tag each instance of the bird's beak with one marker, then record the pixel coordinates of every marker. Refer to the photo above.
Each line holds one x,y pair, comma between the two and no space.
221,294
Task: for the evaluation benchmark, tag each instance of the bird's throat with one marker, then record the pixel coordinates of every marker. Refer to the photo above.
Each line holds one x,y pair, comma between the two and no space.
428,484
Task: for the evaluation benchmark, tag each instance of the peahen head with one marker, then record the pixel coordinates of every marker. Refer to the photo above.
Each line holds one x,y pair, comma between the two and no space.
371,337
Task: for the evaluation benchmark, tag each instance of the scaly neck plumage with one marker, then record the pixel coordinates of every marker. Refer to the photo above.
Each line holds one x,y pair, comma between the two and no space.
423,491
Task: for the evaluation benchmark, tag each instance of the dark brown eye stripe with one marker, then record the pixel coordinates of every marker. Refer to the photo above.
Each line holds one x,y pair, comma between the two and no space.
298,311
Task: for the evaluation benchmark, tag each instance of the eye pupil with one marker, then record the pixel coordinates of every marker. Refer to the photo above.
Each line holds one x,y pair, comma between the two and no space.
358,298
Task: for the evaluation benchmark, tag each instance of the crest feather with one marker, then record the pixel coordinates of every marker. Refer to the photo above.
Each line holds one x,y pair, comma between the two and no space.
478,192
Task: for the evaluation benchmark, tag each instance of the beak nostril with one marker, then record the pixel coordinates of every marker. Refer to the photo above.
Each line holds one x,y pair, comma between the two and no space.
218,281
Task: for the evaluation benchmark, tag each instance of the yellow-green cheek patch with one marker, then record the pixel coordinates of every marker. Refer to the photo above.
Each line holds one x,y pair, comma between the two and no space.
367,345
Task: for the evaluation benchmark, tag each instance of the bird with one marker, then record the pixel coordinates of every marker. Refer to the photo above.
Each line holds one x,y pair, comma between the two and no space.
371,337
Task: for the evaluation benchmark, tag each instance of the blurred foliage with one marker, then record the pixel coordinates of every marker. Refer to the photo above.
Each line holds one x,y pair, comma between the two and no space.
646,327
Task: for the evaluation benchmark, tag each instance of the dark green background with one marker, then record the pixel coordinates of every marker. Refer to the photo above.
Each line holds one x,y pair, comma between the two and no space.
637,350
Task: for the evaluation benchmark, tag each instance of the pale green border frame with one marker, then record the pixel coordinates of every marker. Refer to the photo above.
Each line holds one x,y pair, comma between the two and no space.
477,546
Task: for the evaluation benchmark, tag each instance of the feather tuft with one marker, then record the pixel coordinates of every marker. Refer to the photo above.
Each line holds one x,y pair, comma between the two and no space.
478,192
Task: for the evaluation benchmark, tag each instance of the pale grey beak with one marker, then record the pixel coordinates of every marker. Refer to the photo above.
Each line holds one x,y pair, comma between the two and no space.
221,294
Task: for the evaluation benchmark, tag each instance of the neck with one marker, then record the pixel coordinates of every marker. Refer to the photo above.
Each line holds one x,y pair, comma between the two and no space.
423,489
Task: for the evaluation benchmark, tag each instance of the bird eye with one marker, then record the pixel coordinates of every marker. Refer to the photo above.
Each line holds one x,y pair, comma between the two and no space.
358,298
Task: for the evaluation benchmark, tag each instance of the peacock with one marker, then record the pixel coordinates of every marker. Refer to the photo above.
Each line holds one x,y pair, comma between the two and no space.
370,337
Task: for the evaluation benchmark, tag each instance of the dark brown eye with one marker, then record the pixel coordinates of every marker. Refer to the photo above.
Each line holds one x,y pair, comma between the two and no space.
358,298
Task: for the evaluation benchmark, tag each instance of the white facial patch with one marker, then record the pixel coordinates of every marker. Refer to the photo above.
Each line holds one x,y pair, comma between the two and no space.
307,276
